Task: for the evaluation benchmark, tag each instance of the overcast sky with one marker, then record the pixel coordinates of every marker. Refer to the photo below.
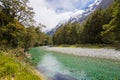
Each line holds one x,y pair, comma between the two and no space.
51,12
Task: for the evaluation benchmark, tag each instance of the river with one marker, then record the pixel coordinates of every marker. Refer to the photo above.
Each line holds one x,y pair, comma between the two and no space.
59,66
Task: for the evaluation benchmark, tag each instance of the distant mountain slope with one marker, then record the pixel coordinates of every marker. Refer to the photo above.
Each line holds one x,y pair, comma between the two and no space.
81,17
105,3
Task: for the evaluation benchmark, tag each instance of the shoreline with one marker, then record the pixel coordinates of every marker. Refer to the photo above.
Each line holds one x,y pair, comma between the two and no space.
88,52
39,74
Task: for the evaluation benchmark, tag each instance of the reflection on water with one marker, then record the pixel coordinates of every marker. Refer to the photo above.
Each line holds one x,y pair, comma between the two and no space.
58,66
59,76
55,70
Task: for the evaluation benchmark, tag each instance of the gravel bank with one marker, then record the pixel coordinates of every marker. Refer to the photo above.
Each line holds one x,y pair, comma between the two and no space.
100,53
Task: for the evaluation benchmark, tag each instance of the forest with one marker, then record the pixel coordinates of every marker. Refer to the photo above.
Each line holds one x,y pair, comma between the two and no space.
102,27
19,33
17,26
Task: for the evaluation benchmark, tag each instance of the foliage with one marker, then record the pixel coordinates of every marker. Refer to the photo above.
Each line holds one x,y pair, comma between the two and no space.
112,30
10,68
101,27
18,32
12,34
34,37
18,9
16,26
93,27
68,34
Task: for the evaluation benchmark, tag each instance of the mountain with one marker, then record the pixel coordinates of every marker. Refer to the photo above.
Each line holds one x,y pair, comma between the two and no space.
52,31
105,3
80,17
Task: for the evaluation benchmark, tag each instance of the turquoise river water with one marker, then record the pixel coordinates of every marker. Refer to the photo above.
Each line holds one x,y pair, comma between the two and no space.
59,66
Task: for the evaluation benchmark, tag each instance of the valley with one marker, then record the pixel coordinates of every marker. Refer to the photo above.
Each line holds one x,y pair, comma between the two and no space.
59,40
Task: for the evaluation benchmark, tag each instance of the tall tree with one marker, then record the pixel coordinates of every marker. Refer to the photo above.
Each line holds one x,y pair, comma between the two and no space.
18,9
12,34
68,34
112,30
93,26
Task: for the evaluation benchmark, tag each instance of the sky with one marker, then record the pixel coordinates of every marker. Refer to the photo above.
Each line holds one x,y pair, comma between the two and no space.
51,12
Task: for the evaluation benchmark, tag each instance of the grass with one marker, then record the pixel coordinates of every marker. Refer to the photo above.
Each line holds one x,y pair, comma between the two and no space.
11,67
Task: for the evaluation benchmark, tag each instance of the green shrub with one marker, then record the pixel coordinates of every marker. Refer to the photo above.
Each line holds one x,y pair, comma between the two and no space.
11,67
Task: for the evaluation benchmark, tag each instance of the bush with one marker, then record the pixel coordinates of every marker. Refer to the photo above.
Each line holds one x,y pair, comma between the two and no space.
11,67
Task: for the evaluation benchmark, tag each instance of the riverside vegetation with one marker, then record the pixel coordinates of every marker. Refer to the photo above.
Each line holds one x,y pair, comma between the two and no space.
18,32
102,27
12,68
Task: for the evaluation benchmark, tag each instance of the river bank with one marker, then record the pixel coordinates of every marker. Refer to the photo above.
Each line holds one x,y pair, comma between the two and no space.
60,66
99,53
11,68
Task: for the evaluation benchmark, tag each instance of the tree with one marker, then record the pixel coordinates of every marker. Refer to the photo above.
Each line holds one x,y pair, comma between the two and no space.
57,37
18,9
93,26
17,26
68,34
112,30
12,34
30,38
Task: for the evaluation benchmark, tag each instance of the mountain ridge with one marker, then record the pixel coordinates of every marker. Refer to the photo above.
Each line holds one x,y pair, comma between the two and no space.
81,17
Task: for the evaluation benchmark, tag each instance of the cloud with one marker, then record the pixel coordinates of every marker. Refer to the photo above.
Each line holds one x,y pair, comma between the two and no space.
68,5
51,12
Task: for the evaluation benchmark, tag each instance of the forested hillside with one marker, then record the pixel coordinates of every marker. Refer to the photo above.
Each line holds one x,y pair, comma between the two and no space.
102,27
